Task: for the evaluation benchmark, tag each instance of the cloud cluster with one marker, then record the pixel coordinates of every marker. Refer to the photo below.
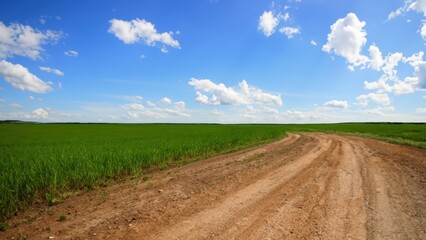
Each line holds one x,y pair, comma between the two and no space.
269,21
136,30
347,39
223,95
22,79
138,110
23,40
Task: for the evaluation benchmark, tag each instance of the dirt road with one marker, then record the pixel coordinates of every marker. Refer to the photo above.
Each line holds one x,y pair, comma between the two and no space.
308,186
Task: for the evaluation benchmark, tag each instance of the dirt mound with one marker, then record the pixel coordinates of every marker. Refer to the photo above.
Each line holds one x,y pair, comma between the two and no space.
309,186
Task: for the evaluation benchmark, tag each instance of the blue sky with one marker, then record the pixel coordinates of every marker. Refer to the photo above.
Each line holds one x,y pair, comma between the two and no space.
218,61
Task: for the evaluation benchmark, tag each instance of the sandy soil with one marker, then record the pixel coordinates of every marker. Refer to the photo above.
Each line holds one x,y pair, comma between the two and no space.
308,186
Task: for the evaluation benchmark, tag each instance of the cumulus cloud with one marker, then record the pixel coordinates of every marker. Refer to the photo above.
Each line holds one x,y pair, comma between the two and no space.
385,84
313,43
137,30
71,53
40,113
289,31
166,100
223,95
267,23
346,39
376,60
337,104
380,98
52,70
19,77
389,81
23,40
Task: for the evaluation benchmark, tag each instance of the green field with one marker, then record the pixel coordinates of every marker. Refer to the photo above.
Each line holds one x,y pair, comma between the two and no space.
45,161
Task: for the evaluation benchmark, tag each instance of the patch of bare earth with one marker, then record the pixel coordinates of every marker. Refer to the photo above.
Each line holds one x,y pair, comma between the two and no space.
308,186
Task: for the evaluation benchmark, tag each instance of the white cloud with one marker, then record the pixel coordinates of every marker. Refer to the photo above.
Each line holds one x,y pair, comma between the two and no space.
157,113
40,113
22,79
166,100
420,75
289,31
134,98
374,111
346,39
2,100
164,50
203,99
416,5
141,30
376,60
423,30
380,98
71,53
390,62
419,6
180,104
421,110
337,104
313,42
223,95
23,40
389,81
267,23
133,106
295,114
385,84
15,105
285,16
52,70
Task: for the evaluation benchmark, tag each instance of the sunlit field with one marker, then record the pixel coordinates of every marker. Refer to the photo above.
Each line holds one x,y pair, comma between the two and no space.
43,162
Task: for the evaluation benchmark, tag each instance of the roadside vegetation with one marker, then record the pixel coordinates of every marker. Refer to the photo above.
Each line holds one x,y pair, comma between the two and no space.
47,162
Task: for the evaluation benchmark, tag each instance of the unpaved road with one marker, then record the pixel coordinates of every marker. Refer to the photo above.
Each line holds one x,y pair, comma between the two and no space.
308,186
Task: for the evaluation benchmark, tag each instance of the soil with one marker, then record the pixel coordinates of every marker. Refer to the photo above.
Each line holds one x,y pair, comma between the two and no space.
306,186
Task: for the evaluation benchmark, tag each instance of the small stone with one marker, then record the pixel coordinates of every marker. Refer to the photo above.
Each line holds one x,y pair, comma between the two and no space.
160,190
94,234
51,237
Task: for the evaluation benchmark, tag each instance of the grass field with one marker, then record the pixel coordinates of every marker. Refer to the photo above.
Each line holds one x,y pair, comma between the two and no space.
44,161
